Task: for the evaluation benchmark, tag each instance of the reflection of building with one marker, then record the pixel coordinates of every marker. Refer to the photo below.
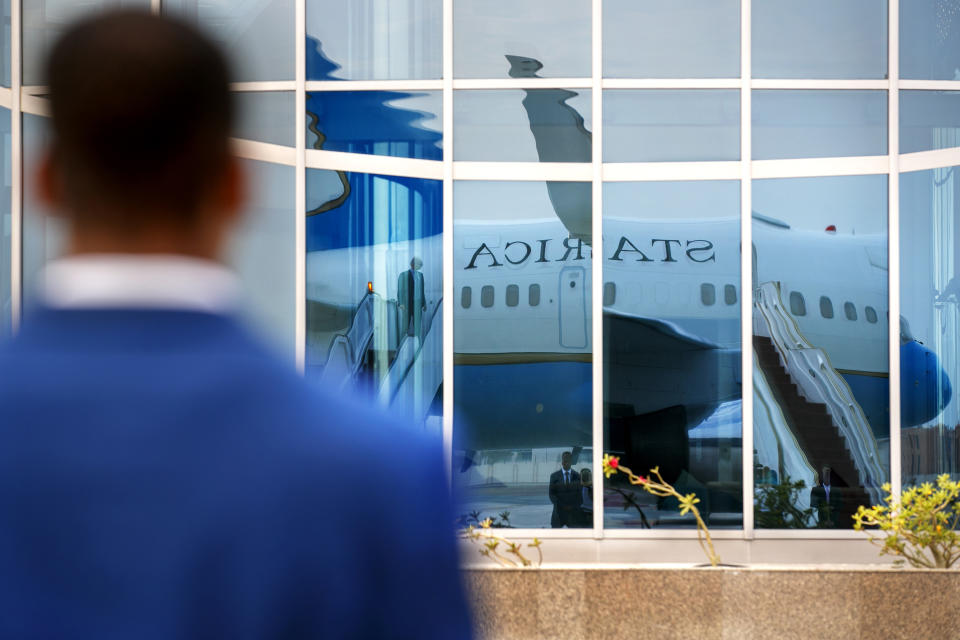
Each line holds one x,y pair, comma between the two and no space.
584,287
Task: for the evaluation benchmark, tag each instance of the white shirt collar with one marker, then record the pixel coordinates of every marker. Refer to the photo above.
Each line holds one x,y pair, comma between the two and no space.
157,281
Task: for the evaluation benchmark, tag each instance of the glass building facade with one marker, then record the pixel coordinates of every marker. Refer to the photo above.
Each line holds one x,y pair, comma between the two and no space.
717,237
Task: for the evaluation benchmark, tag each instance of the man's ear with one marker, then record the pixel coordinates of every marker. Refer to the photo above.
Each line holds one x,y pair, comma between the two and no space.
47,179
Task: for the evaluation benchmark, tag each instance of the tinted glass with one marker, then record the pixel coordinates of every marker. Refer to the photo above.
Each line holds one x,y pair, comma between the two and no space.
819,124
374,283
929,40
258,34
929,364
262,253
871,314
819,39
686,39
671,393
609,294
663,126
466,297
522,377
545,125
44,235
266,116
5,48
729,294
486,296
43,22
404,124
798,305
533,295
513,295
552,35
929,120
820,386
374,40
5,212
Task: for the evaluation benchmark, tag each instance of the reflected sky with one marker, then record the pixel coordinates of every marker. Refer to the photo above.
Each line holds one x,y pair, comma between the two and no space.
930,39
929,120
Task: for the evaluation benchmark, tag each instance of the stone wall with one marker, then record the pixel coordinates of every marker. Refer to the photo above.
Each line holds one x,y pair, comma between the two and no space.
736,603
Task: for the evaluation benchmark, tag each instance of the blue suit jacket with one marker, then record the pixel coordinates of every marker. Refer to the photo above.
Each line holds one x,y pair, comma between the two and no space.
162,476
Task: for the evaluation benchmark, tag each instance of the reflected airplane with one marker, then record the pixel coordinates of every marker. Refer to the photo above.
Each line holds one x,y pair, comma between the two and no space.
671,300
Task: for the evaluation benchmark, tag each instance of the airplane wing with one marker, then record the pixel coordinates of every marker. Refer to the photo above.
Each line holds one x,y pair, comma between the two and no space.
634,333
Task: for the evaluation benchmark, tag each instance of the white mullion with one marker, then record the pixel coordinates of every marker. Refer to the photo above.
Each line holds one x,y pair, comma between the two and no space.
6,97
596,233
448,230
16,169
663,171
843,85
893,246
525,171
523,83
300,181
264,151
375,85
369,163
928,85
820,167
746,264
923,160
671,83
264,85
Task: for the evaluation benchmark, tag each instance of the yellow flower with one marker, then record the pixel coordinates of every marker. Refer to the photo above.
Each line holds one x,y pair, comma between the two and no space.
610,464
486,523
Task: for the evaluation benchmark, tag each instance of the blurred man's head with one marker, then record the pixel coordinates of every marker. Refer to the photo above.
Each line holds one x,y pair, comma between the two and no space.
565,459
141,117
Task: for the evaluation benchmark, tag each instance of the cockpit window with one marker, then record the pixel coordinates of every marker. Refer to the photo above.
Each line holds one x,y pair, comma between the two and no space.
826,307
798,306
730,294
849,310
513,295
871,315
486,296
708,294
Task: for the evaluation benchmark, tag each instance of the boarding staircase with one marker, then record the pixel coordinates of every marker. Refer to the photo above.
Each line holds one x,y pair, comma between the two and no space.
817,404
412,371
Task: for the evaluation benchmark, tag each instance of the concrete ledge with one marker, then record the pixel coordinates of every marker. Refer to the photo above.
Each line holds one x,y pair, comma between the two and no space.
736,603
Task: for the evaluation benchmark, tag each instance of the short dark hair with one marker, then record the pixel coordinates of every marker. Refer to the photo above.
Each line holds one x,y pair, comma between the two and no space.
142,115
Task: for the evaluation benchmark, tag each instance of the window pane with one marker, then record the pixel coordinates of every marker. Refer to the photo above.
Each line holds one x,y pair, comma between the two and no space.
266,116
609,294
44,235
374,40
826,307
513,295
522,380
545,125
486,296
929,120
819,124
821,407
466,297
43,22
663,126
534,295
5,48
387,123
685,39
929,363
798,306
729,294
820,39
929,40
5,213
374,282
262,252
850,311
257,34
871,314
672,395
500,39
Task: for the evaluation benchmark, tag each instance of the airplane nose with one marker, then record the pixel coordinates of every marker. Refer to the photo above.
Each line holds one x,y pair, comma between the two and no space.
925,388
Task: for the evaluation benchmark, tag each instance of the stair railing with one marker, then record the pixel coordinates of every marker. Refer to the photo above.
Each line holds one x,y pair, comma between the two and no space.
818,382
351,345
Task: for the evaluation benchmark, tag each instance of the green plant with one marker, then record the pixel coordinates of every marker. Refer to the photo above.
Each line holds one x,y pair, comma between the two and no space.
920,527
776,506
656,485
496,547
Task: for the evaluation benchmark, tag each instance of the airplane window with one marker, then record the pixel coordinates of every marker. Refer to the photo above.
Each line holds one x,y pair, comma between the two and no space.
708,294
826,307
513,295
466,297
871,315
533,296
486,296
730,294
850,311
609,294
798,306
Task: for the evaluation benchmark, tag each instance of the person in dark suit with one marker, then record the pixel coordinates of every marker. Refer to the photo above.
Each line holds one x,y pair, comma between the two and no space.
163,475
825,499
411,300
565,495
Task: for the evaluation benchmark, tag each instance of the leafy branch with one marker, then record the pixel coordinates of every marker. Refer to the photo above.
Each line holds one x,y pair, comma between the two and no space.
504,552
